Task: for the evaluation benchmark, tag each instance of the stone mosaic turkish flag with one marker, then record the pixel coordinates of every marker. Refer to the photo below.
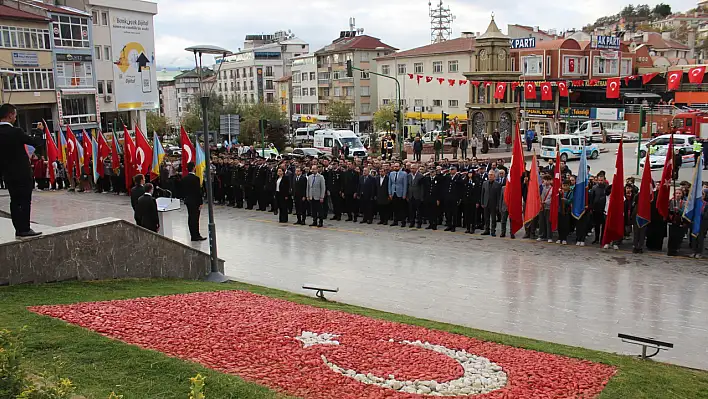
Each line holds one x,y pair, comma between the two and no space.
673,80
613,88
695,75
546,92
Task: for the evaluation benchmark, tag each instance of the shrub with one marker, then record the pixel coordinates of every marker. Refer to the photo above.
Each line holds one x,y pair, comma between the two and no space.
12,378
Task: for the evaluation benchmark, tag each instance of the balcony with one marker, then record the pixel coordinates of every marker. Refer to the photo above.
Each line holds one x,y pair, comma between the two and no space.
655,110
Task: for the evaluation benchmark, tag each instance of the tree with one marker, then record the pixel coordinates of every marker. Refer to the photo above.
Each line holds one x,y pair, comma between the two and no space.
384,118
643,11
340,113
157,123
680,34
628,11
277,125
661,10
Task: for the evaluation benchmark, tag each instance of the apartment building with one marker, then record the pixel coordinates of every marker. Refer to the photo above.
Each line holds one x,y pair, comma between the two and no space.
123,51
424,102
187,89
522,31
168,96
360,91
27,64
284,88
304,88
249,75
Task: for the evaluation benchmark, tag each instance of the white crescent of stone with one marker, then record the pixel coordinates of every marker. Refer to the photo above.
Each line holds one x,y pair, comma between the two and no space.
186,149
480,374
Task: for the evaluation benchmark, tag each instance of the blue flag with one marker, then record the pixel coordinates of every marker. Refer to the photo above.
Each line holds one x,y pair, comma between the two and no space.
694,205
581,187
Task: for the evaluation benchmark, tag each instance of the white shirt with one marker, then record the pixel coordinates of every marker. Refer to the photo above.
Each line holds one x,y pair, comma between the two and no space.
6,123
277,185
381,180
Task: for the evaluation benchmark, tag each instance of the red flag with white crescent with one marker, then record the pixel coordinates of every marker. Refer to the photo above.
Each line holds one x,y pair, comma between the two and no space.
546,91
500,91
613,88
695,75
673,80
428,79
563,89
188,152
530,90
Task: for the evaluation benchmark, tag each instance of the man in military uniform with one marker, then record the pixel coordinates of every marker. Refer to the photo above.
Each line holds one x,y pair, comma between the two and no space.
471,197
350,188
248,187
238,179
452,197
431,198
333,180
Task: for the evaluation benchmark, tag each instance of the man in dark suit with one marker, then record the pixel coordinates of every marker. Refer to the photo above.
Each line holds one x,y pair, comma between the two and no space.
491,193
16,171
415,196
350,188
135,193
192,191
300,194
383,203
431,198
146,210
367,191
453,195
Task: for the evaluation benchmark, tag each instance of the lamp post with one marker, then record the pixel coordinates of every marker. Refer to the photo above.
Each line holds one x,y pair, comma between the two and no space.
204,92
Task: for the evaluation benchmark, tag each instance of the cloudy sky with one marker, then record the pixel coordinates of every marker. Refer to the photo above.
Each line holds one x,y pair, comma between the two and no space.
400,23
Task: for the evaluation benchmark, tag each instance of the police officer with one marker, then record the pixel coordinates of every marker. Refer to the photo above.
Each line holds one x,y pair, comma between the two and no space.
452,197
333,180
431,198
697,149
471,197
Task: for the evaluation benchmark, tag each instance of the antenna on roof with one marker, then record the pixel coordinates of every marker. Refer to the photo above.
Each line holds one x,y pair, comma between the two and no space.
440,22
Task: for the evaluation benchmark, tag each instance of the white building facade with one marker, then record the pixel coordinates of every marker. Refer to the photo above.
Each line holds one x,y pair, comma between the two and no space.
304,89
424,102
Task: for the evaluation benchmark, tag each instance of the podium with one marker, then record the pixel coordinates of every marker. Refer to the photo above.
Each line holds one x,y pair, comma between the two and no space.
165,206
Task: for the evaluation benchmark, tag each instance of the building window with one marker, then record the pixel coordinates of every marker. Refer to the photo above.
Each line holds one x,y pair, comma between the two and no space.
251,84
548,65
94,17
626,67
296,77
337,91
76,110
605,66
98,51
365,91
418,102
104,18
364,56
437,67
269,97
313,91
533,65
322,78
437,103
385,101
365,108
99,85
74,74
304,76
109,87
231,73
312,76
364,74
576,66
107,53
385,70
401,69
70,31
13,37
452,103
325,92
452,66
269,85
238,75
269,71
418,67
253,99
335,75
349,91
31,79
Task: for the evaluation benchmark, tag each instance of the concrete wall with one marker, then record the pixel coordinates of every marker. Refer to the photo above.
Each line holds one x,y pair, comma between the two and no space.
99,250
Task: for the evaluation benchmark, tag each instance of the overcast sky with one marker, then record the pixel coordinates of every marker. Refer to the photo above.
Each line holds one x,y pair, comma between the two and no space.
403,24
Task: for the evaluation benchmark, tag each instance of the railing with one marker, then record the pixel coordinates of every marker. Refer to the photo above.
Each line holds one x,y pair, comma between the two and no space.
654,109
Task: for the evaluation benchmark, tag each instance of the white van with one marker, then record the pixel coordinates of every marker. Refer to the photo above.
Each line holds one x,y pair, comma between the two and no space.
592,130
304,135
325,139
571,147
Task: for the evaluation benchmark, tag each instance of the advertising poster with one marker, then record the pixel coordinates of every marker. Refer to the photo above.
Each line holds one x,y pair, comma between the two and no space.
134,70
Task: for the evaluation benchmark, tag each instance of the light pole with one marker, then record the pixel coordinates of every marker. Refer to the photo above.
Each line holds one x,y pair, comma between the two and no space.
215,275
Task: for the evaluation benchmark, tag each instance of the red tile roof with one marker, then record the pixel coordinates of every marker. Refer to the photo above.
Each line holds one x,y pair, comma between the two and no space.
362,42
7,12
284,79
656,41
461,44
531,29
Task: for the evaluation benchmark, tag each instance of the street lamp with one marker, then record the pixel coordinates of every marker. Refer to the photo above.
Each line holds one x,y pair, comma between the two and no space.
215,276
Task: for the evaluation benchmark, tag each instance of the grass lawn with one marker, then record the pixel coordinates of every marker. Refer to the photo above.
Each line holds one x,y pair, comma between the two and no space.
98,365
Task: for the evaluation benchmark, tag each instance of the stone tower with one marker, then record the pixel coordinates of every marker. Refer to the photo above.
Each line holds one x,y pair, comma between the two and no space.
492,64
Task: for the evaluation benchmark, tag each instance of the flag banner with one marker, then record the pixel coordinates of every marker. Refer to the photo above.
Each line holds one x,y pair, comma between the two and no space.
646,195
533,196
614,224
694,205
580,191
555,194
512,193
662,197
187,150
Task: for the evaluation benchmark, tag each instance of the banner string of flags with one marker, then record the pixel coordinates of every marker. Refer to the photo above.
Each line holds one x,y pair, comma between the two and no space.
673,82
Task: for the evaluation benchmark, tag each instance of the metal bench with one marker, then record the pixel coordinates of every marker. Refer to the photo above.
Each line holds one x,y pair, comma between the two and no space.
319,291
646,343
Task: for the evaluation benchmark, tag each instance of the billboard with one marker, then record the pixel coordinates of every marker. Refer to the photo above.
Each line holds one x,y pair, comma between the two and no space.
134,70
605,42
526,42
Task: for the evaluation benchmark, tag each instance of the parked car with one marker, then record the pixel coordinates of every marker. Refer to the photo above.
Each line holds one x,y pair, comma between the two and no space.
680,141
571,147
307,152
657,159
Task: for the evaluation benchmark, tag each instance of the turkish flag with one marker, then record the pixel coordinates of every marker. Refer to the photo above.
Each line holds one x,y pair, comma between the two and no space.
646,195
410,76
530,91
474,83
428,79
128,158
533,195
72,153
88,150
514,85
103,152
462,82
115,159
613,88
647,77
418,78
143,153
571,65
614,224
52,152
695,75
546,92
563,89
662,197
500,91
441,80
188,152
673,79
514,183
451,82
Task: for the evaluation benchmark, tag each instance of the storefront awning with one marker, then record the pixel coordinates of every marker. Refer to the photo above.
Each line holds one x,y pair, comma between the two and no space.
72,91
641,95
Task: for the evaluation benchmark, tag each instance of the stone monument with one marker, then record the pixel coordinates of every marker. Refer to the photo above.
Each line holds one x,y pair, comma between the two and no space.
492,64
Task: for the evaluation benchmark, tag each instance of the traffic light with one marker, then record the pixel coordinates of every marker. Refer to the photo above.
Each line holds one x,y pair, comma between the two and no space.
397,115
444,125
642,117
350,71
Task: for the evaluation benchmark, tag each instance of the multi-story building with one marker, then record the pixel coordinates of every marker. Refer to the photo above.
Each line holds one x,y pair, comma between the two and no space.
249,75
521,31
27,64
304,89
660,45
688,20
187,89
123,51
424,103
360,91
168,96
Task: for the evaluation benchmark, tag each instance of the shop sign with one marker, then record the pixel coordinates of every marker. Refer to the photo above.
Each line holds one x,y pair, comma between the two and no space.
575,113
